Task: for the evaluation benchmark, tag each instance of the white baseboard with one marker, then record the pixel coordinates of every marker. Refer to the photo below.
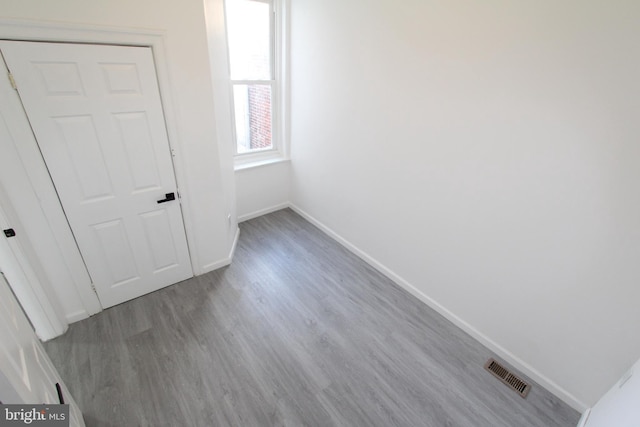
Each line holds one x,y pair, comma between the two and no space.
516,362
584,418
247,217
76,316
225,261
232,252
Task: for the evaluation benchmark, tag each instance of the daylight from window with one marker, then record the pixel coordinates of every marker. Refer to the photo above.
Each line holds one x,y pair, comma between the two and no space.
250,33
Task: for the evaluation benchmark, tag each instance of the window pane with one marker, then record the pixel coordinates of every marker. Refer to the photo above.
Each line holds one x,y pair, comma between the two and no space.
252,106
249,32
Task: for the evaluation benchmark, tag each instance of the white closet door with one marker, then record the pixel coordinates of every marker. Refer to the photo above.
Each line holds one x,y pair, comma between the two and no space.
27,375
96,113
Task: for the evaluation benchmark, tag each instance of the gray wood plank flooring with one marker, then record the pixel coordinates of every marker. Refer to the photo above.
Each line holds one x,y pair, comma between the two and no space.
298,331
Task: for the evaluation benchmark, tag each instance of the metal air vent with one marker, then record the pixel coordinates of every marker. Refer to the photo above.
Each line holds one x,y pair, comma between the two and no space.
507,377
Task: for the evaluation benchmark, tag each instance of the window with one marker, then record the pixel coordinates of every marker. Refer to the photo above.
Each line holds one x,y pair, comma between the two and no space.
252,40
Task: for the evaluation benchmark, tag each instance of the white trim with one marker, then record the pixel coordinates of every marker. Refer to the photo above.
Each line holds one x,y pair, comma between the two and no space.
279,91
584,418
215,265
26,284
232,252
257,164
269,83
483,339
282,74
38,30
225,261
256,214
76,316
18,29
257,157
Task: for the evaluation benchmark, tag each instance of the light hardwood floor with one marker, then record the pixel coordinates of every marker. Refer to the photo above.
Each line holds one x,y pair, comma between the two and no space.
298,332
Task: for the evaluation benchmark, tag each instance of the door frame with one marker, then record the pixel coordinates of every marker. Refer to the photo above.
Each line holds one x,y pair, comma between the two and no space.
43,312
41,31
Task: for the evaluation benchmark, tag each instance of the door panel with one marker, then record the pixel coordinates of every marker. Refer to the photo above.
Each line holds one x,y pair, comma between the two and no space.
161,245
78,147
96,113
59,78
117,252
121,78
136,138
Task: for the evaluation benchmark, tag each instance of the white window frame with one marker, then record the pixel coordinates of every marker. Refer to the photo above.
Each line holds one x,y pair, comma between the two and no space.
279,150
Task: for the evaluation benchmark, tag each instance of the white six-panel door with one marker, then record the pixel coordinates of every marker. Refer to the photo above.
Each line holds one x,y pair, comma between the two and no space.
97,116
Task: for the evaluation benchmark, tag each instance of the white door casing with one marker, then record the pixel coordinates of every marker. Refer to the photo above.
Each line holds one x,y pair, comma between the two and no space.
36,300
96,113
27,375
23,210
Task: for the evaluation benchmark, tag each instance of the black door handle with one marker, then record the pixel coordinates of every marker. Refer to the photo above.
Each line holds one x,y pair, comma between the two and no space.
60,396
168,197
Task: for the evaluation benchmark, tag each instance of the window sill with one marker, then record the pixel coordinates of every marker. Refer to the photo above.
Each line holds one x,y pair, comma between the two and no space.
251,164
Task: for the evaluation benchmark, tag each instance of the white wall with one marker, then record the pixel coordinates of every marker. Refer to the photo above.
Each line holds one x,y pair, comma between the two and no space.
218,60
262,189
205,171
487,154
619,407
